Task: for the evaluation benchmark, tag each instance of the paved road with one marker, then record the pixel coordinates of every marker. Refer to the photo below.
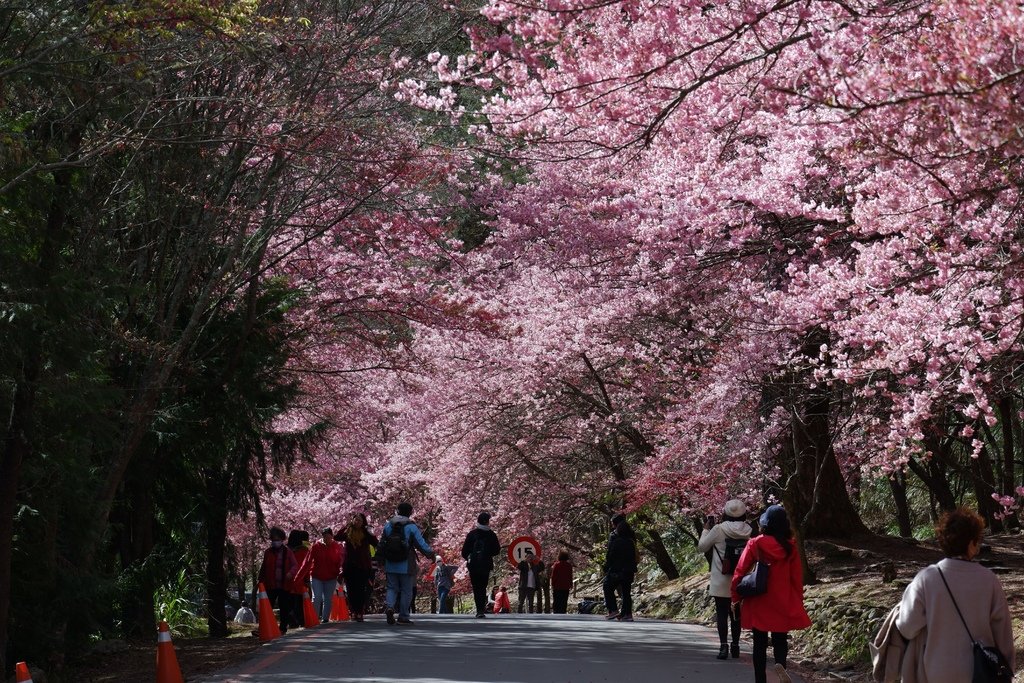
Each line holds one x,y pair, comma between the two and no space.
509,648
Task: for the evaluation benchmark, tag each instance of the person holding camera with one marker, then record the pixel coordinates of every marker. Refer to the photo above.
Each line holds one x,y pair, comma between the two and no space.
724,543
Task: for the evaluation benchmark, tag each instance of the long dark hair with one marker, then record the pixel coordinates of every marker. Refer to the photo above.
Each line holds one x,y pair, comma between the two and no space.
778,527
356,535
296,538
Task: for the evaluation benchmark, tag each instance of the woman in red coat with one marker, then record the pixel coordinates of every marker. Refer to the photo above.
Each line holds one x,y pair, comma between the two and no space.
780,609
561,582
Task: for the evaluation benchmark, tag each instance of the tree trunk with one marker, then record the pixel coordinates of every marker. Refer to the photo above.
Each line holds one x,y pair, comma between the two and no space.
135,543
808,575
1006,416
898,486
983,480
18,436
216,539
15,450
815,493
812,486
933,473
656,546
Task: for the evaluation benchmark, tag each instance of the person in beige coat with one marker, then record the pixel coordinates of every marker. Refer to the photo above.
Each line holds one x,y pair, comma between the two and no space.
927,608
725,541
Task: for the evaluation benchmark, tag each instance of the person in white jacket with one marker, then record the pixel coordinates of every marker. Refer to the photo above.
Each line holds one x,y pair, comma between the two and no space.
725,542
931,603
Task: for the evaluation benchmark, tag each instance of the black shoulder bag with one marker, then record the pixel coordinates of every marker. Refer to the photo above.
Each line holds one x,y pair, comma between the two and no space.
990,666
756,582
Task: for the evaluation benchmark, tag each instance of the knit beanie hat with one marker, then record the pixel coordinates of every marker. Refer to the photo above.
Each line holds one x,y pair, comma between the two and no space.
773,516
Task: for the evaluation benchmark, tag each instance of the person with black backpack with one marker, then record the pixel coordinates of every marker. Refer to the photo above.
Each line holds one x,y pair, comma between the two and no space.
399,540
620,567
724,543
479,550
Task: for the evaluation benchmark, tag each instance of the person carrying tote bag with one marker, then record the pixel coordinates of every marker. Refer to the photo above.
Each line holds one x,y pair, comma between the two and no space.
780,609
955,604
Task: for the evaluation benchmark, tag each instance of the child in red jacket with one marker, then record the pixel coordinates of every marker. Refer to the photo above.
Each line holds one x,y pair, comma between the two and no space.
502,604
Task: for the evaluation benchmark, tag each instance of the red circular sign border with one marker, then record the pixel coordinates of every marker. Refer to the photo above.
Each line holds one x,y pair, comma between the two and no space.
516,541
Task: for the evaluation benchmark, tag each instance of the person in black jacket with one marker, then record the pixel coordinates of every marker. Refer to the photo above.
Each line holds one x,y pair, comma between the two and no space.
619,568
479,551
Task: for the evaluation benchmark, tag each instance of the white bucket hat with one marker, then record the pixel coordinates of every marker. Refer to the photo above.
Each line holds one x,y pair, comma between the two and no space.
735,508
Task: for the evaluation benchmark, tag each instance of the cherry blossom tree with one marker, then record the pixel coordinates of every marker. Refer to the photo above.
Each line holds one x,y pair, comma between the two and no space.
803,215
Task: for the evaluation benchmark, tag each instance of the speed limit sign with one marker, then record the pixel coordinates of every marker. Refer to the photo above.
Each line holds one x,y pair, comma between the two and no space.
517,549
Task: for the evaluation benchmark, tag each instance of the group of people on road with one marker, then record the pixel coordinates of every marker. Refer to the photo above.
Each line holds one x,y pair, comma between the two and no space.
951,609
292,566
931,636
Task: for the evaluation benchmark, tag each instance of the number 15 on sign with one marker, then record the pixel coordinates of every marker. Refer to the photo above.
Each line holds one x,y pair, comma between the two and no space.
517,549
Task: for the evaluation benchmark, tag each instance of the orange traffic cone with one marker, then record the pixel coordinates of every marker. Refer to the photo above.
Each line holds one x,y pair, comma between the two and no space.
268,624
21,674
339,608
167,670
308,613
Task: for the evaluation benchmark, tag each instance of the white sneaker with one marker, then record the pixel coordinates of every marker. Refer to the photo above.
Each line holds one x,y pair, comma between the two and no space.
783,674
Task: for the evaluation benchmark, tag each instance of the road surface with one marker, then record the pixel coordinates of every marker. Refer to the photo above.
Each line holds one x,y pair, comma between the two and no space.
510,648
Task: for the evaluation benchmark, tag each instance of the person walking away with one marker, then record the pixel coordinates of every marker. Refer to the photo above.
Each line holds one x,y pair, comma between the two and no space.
358,565
619,569
954,602
400,540
529,580
780,609
561,583
298,543
444,580
725,541
479,550
324,566
502,603
277,571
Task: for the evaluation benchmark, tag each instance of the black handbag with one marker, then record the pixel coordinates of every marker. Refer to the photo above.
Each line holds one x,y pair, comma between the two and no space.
990,666
756,582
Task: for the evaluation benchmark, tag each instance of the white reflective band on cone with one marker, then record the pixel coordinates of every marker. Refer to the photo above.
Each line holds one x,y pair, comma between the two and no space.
263,596
163,637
